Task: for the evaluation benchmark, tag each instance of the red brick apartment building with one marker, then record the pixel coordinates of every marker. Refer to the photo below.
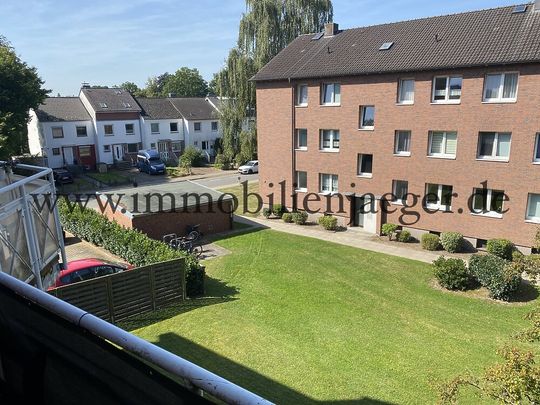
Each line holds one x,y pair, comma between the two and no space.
434,107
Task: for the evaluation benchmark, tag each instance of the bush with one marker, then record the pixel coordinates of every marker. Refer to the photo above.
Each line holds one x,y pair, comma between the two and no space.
452,274
192,157
389,230
451,241
502,248
430,241
499,276
266,212
278,210
517,255
328,222
404,236
221,162
300,217
129,244
287,217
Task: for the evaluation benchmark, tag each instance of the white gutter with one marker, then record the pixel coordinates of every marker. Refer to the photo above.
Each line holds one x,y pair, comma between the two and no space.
198,376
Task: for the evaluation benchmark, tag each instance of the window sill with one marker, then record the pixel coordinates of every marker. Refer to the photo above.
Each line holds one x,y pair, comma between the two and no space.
329,150
301,190
439,208
533,221
403,154
490,159
174,132
499,102
488,215
365,176
397,202
328,194
301,106
155,133
447,157
300,149
367,129
536,163
402,104
330,105
109,134
445,103
130,134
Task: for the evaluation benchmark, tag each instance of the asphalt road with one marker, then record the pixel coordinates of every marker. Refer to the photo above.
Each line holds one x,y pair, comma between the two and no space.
226,181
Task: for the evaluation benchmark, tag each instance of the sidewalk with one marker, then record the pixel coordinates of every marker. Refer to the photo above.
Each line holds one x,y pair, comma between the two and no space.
351,237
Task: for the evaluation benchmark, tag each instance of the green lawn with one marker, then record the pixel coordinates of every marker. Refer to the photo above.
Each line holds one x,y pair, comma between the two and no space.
298,320
110,178
252,202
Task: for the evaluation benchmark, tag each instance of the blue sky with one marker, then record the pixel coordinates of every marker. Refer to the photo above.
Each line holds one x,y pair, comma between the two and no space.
108,41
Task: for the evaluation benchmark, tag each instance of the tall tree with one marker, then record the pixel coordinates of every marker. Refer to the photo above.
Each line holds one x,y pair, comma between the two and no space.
132,88
266,28
186,82
155,84
20,90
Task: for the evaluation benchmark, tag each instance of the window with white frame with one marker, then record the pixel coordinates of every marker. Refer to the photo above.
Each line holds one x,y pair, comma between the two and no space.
447,89
536,157
400,189
130,129
57,132
331,94
205,145
443,144
406,91
501,87
85,151
494,145
488,202
173,126
402,143
56,151
365,165
301,181
214,126
329,183
154,127
106,148
302,95
197,126
438,196
153,145
533,208
108,129
301,139
330,140
367,117
81,131
176,146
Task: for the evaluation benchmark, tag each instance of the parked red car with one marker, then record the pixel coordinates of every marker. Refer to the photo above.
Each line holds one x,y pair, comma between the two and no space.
86,269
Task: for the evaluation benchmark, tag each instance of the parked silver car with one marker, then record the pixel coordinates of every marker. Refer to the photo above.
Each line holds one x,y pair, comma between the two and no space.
249,168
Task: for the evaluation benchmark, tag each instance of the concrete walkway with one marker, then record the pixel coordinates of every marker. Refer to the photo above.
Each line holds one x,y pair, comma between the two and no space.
351,237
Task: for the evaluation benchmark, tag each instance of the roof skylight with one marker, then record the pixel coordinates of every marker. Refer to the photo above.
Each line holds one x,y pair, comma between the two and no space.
386,46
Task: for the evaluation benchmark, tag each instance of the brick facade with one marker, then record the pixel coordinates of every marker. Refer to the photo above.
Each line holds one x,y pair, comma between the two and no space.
278,118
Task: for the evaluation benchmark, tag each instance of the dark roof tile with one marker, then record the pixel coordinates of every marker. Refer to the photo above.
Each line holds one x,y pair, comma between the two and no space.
158,108
117,100
56,109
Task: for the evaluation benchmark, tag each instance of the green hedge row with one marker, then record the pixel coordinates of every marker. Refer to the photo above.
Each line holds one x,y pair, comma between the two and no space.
129,244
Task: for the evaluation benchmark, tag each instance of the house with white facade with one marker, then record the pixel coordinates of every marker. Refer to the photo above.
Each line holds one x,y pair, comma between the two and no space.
62,132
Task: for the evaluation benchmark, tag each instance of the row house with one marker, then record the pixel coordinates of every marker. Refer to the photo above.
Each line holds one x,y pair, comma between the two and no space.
431,124
108,125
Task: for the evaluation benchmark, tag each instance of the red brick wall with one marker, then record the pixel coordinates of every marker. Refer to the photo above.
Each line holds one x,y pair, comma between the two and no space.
277,117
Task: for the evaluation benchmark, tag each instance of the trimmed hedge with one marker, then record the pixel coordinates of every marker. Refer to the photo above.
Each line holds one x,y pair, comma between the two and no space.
267,212
300,217
278,210
430,241
389,230
287,217
131,245
452,274
451,241
404,236
499,276
328,222
502,248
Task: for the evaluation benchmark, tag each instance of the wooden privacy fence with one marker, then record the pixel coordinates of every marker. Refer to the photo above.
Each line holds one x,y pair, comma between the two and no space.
119,296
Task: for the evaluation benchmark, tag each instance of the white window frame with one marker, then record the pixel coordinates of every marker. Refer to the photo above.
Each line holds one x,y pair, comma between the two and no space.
447,99
106,148
170,127
400,87
359,160
439,206
56,128
528,218
298,188
85,131
491,214
334,184
56,152
362,125
153,145
297,145
333,133
298,98
105,129
152,127
493,157
132,129
333,102
536,160
212,126
394,188
500,99
396,143
195,126
442,155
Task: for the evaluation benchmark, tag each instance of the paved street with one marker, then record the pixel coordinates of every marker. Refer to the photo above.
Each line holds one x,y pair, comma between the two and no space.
226,181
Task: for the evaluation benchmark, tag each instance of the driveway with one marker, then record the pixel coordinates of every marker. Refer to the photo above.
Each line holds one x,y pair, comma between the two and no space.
78,249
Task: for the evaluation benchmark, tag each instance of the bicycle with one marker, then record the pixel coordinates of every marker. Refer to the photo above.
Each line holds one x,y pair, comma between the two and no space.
183,243
193,232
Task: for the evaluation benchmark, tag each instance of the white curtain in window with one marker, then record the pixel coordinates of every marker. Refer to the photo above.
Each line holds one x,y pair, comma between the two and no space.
437,139
510,85
451,143
406,91
503,146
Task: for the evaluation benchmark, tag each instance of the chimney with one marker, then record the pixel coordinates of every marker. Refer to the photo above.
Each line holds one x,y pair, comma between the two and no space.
85,85
331,29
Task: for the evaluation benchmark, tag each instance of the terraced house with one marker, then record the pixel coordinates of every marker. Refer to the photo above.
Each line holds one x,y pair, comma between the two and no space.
432,124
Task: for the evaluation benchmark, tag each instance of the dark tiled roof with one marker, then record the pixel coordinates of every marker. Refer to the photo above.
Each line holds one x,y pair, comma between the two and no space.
62,109
195,108
117,100
488,37
158,108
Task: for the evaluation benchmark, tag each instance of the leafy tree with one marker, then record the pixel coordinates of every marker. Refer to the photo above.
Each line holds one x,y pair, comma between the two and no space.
155,85
20,90
265,29
185,82
132,88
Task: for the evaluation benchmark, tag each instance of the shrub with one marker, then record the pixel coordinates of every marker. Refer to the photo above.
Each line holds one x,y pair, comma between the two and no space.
430,241
517,255
221,162
266,212
527,264
389,230
287,217
192,157
404,236
278,210
328,222
502,248
451,241
300,217
452,274
499,276
129,244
